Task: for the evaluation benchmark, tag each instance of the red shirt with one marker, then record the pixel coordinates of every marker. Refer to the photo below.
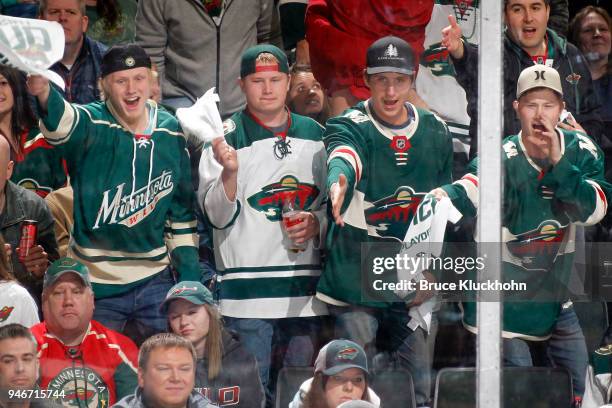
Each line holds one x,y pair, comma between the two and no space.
98,372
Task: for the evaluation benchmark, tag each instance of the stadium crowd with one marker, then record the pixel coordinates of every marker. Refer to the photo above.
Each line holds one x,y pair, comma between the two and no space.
149,262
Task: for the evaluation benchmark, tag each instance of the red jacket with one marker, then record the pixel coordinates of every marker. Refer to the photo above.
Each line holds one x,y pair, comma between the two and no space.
97,373
339,33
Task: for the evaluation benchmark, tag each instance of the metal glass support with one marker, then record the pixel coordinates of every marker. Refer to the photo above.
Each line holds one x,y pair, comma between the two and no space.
490,74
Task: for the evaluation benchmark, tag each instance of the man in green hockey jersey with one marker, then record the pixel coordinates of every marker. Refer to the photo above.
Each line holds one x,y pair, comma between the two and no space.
262,187
133,199
384,154
554,180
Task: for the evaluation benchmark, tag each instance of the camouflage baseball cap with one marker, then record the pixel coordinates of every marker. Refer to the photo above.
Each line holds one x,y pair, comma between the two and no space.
192,291
63,266
339,355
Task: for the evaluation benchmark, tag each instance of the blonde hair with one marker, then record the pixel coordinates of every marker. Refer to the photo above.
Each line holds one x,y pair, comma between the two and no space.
165,341
214,342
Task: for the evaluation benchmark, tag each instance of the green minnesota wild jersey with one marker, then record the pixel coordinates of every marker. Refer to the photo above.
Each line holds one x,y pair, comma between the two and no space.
541,208
40,168
259,275
133,197
388,171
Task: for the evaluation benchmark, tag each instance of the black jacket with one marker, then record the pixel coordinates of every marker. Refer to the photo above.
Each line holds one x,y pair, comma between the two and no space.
580,99
238,383
21,205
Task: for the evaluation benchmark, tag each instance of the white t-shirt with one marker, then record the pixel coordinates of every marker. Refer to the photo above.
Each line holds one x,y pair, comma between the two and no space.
17,305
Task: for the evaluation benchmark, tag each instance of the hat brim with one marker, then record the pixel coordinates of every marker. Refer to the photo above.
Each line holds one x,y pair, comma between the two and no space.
339,368
524,91
62,273
163,308
380,70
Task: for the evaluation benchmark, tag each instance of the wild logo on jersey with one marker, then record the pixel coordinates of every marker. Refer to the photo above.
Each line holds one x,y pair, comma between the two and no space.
32,185
391,216
5,313
538,248
435,57
271,197
130,208
80,385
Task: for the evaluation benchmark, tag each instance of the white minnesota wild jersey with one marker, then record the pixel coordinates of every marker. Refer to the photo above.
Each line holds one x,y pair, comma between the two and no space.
258,276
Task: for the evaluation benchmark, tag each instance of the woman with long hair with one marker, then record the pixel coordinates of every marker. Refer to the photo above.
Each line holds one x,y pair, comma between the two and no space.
590,31
16,304
37,165
340,375
225,373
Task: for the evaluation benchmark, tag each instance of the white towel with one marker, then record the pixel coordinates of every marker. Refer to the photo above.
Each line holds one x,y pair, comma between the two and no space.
201,122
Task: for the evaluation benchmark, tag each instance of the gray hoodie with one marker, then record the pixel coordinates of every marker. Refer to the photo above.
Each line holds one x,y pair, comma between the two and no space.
196,400
194,51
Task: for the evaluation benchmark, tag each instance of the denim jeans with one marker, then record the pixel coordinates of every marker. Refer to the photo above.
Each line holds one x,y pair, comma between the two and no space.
566,348
277,343
411,350
141,305
178,102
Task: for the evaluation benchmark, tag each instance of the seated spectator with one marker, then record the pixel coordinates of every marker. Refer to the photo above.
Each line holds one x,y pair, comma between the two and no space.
60,202
16,304
18,365
18,205
340,375
111,21
80,67
306,96
197,45
135,222
225,372
37,166
166,375
92,364
590,31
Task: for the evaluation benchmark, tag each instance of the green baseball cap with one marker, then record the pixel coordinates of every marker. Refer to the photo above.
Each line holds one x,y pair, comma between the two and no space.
248,65
63,266
192,291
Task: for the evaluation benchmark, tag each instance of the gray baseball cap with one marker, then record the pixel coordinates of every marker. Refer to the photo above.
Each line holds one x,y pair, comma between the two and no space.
338,355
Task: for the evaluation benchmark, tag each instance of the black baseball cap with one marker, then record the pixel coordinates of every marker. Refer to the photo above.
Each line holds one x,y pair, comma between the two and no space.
122,57
390,54
339,355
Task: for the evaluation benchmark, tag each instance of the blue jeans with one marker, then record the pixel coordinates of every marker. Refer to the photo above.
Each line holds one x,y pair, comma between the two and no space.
411,350
178,102
566,348
141,305
277,343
